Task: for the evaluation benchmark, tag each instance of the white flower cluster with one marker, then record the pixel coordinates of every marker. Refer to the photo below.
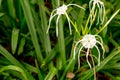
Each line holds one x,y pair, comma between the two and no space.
97,5
88,42
62,10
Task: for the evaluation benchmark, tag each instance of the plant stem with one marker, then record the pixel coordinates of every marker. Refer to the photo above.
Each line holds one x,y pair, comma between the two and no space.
61,58
61,45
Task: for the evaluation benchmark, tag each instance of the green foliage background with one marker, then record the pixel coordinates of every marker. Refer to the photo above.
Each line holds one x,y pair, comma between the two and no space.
28,53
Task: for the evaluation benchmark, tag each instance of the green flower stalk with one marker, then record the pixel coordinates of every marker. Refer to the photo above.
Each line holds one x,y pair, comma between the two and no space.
88,42
97,5
62,10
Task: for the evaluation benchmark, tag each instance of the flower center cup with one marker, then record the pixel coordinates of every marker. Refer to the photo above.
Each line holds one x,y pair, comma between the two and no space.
62,9
96,1
88,41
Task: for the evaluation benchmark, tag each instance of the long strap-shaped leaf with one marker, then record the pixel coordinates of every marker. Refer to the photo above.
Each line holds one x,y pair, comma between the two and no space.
45,37
15,68
14,40
51,74
109,21
29,19
61,58
7,55
89,73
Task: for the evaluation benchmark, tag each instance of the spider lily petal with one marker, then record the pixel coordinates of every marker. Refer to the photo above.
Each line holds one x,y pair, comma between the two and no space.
101,44
75,47
57,25
88,42
51,17
76,6
62,10
79,56
68,23
98,55
87,54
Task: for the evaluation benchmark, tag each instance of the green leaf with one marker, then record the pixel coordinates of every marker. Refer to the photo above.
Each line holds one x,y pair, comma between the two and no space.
51,74
0,3
31,26
30,67
2,14
87,74
40,77
21,46
11,8
16,68
68,68
14,61
14,41
43,27
106,24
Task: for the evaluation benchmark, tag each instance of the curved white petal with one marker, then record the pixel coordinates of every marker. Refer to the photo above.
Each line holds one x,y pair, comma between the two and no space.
57,25
76,6
102,48
68,23
87,54
75,48
50,22
79,56
98,55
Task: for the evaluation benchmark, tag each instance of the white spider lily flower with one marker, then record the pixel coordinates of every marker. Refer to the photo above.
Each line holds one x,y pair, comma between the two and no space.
88,42
93,6
62,10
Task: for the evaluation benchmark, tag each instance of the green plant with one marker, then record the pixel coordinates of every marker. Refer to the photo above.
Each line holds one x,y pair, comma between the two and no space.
29,52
